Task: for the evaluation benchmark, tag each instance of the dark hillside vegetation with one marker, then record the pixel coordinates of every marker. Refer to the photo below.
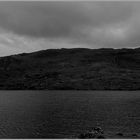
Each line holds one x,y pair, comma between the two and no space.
72,69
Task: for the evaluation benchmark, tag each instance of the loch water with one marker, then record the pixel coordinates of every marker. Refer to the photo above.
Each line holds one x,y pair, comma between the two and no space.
65,114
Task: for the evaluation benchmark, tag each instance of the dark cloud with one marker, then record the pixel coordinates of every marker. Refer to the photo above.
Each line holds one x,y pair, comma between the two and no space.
48,19
56,19
95,24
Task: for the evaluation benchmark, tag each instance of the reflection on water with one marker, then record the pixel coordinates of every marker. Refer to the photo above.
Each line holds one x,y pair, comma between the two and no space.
61,114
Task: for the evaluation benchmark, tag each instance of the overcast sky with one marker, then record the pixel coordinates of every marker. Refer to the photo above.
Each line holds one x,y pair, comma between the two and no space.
35,25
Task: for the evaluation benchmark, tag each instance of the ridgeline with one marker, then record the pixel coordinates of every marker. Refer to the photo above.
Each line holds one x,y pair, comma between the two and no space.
72,69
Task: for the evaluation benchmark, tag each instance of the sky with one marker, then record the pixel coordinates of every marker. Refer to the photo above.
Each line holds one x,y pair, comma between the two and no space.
28,26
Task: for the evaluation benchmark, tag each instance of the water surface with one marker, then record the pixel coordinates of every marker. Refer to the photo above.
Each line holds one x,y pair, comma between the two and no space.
63,114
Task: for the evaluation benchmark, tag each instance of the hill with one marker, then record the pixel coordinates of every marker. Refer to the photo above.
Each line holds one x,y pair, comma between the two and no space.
70,69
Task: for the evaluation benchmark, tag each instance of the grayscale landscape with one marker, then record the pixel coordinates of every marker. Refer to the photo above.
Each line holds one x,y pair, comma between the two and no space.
70,69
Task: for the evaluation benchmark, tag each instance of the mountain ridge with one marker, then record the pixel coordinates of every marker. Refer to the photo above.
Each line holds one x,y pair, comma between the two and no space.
72,69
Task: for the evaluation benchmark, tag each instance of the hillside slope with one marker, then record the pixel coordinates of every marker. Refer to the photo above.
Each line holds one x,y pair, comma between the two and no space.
96,69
